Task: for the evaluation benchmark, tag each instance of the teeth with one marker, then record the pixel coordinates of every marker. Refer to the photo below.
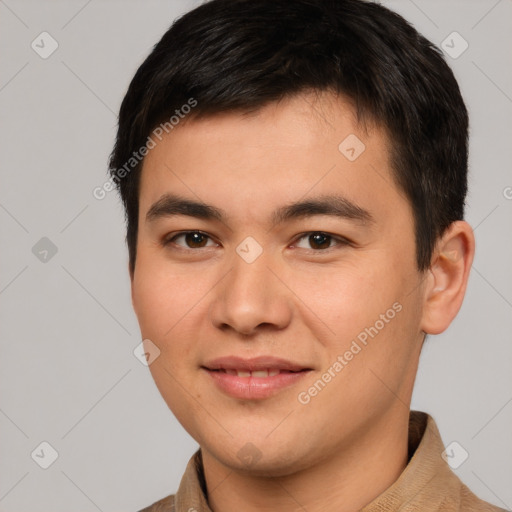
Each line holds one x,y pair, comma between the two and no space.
257,373
269,372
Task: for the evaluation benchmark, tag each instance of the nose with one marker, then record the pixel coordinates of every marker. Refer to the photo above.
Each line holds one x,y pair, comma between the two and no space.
251,298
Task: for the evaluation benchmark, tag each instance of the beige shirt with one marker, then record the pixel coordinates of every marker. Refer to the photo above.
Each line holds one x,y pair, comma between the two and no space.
426,484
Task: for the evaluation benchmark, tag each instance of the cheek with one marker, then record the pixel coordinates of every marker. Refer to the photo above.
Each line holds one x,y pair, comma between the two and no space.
368,313
167,304
171,305
152,301
349,298
159,298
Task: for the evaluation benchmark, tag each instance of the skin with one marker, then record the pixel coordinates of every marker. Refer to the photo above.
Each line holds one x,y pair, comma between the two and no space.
296,301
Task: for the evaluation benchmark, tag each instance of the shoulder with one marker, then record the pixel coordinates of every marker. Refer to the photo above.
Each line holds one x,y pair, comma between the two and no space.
465,500
164,505
469,501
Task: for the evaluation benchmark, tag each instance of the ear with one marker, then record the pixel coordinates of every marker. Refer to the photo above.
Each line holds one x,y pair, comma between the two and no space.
447,277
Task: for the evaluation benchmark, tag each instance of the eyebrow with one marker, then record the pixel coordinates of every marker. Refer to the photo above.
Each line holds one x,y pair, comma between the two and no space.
170,204
334,205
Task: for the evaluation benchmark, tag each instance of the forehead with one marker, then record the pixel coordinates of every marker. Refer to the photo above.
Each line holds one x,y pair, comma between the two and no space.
307,144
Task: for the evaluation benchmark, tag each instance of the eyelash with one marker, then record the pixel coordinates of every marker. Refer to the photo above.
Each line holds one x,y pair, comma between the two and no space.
339,241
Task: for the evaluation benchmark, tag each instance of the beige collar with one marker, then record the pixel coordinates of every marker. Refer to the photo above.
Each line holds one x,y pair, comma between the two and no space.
427,484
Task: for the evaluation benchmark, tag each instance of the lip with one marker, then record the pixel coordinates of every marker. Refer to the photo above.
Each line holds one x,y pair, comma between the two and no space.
254,364
254,388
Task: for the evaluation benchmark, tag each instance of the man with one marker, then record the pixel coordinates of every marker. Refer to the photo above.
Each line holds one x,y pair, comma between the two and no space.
294,176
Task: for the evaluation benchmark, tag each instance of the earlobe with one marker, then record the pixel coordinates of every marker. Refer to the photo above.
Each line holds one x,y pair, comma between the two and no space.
448,277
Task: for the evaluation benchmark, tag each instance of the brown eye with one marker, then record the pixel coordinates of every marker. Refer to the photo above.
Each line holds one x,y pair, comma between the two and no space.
191,240
195,239
318,241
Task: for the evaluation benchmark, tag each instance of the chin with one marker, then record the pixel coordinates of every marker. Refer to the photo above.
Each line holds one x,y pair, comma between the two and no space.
269,462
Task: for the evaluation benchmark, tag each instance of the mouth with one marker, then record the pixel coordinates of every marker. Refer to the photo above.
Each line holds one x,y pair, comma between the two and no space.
259,374
256,378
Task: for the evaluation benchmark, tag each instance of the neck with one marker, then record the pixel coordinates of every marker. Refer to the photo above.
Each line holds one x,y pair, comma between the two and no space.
345,481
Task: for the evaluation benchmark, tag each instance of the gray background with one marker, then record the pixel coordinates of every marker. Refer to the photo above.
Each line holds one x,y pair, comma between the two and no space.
68,375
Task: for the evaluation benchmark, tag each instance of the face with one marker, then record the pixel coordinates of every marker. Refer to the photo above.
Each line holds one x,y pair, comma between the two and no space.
276,274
